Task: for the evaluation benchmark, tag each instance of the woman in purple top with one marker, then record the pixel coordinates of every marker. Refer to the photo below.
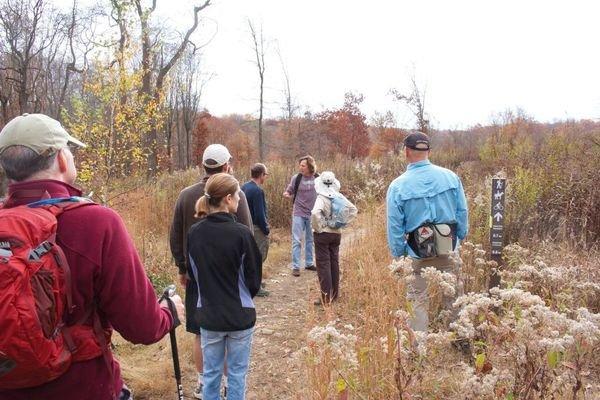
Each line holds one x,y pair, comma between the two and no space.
302,191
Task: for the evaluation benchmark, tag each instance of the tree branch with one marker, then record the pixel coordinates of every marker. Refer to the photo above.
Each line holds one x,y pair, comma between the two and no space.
165,70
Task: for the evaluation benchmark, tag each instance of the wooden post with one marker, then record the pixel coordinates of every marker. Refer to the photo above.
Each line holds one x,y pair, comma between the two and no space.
497,226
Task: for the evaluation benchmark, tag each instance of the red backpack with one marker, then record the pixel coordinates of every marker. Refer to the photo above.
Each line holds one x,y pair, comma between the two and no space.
35,297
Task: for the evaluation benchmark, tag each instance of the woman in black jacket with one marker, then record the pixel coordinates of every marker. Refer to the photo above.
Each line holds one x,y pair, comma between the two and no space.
226,265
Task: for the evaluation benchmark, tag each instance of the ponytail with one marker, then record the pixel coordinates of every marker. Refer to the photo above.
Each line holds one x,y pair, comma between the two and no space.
217,187
201,207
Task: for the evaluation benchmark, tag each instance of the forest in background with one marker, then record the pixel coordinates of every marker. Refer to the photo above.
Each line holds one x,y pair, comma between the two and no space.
130,86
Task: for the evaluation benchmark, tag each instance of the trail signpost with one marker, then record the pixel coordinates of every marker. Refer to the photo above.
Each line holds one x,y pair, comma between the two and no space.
497,225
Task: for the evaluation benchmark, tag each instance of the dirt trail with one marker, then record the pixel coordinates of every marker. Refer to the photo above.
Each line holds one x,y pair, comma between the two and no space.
276,370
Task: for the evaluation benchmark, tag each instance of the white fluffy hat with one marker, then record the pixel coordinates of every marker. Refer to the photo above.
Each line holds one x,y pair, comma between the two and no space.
326,184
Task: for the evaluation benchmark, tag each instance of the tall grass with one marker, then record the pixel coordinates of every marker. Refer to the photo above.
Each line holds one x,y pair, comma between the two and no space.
535,338
351,348
552,193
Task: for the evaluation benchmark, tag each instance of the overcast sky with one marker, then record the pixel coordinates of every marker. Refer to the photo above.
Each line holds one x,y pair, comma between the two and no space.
473,58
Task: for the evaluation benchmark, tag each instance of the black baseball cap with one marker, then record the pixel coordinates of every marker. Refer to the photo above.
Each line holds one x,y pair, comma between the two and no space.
417,141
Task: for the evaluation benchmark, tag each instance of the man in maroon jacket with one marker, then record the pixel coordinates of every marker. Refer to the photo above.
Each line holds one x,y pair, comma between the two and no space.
106,272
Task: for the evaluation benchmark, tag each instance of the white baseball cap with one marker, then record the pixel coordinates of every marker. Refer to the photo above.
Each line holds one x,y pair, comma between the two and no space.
215,155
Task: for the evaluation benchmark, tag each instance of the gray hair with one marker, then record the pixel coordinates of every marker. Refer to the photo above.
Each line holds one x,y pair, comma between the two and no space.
20,162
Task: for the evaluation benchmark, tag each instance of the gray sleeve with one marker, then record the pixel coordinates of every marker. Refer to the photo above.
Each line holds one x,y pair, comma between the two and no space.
243,212
290,187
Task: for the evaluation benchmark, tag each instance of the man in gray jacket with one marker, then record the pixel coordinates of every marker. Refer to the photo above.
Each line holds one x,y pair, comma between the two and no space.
216,158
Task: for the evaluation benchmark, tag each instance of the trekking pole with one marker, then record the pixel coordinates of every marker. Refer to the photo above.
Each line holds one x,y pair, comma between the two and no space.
167,294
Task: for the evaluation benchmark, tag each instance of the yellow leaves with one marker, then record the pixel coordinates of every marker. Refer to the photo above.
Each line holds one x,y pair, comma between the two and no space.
479,361
482,364
340,385
363,355
553,358
113,119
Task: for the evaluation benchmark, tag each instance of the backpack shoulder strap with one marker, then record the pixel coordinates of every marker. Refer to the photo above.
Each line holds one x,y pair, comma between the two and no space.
58,205
296,186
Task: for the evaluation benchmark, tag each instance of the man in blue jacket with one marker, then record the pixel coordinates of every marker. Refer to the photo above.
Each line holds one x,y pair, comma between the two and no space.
422,202
257,203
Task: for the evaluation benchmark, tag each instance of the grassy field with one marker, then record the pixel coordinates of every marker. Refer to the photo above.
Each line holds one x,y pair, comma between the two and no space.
536,337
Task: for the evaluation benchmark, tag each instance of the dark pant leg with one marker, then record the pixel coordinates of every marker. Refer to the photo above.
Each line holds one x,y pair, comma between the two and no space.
125,394
334,257
323,264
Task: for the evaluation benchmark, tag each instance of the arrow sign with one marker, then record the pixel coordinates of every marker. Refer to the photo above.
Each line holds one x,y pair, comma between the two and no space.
497,225
498,216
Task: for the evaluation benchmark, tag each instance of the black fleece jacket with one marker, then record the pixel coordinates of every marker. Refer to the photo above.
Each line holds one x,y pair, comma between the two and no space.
226,265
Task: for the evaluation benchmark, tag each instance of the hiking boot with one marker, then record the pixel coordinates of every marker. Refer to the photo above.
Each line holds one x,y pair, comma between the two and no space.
262,293
198,392
296,271
311,268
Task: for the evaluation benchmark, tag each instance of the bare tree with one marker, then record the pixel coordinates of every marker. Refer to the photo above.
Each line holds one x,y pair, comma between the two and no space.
258,43
415,101
6,89
184,95
28,28
289,108
153,76
118,14
74,32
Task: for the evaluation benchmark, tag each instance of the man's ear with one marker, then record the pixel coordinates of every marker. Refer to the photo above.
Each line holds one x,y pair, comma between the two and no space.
62,161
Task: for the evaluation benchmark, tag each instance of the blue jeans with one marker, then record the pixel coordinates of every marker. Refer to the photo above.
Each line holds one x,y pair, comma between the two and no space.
301,225
237,346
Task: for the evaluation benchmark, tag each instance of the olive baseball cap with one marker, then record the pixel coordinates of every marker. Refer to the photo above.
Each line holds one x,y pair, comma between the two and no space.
39,132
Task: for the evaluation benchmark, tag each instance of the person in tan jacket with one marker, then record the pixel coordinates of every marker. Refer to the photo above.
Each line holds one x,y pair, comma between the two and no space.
327,221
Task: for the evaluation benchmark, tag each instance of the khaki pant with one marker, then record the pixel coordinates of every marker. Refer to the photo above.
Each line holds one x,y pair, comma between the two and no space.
418,295
262,241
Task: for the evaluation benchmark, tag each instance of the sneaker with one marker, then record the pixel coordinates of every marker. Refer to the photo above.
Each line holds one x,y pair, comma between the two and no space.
311,268
262,293
224,392
198,392
296,271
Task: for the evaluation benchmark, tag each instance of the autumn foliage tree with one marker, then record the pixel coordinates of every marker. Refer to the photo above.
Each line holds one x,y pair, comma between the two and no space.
200,136
346,128
111,120
386,137
234,131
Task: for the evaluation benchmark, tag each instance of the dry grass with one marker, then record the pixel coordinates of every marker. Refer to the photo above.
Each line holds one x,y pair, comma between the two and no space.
536,342
364,365
360,347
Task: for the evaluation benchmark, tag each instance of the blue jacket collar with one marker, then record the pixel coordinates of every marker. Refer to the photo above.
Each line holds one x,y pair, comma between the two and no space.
418,164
